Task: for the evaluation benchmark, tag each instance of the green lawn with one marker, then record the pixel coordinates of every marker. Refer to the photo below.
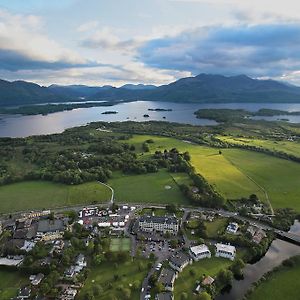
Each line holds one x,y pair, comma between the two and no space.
9,283
129,273
215,227
119,244
187,282
147,188
40,194
283,284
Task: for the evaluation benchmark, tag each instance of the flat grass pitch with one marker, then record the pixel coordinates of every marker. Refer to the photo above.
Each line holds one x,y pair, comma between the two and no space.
148,188
238,173
119,244
43,195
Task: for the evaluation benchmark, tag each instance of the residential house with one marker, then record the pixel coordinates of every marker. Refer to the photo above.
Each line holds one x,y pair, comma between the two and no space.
179,261
167,278
232,228
200,252
226,251
207,280
36,279
24,293
164,296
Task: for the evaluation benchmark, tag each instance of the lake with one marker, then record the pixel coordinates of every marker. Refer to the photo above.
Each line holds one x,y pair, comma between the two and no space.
22,126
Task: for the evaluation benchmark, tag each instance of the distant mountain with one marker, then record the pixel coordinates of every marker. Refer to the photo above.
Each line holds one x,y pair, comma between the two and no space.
77,91
22,92
139,86
206,88
203,88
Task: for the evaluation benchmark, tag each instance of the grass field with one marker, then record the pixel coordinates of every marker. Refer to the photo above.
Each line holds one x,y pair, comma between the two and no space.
279,177
119,244
283,284
238,173
147,188
40,194
129,273
10,283
292,148
187,283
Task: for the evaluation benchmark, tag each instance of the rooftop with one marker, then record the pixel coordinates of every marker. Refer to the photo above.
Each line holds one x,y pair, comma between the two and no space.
50,225
166,277
226,248
158,219
199,249
179,259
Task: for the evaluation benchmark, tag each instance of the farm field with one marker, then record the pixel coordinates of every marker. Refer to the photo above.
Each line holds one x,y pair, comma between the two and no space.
187,283
279,177
128,273
10,283
292,148
283,284
43,195
119,244
157,187
238,173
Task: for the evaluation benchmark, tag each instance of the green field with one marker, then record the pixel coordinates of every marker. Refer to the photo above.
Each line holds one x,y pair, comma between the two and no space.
147,188
10,282
280,178
283,284
238,173
288,147
119,244
187,283
129,273
40,194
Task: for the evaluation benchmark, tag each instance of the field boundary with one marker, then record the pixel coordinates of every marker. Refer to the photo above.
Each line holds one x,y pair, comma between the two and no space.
256,183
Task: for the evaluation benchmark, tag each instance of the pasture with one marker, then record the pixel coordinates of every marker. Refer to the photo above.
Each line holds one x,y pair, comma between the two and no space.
283,284
238,173
30,195
292,148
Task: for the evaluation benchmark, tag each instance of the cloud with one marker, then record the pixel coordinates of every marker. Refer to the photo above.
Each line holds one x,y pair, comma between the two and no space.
107,39
260,50
24,45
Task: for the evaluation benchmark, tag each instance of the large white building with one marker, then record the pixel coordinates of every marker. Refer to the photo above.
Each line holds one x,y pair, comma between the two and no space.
200,252
226,251
160,224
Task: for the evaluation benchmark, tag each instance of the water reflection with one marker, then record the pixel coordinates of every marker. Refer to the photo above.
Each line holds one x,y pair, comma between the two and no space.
20,126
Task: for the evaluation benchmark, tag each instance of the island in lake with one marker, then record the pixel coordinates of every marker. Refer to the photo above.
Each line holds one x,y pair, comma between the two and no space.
109,112
159,109
146,116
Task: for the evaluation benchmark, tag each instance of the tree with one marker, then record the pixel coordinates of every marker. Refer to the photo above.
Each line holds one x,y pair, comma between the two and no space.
237,267
224,278
204,296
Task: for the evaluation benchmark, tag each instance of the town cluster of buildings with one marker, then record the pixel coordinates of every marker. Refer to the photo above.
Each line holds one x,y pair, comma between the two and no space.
179,260
25,233
105,218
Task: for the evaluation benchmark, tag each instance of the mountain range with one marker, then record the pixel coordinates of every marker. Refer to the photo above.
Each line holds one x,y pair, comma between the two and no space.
204,88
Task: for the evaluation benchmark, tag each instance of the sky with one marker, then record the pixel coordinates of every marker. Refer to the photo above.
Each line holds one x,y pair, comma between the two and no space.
113,42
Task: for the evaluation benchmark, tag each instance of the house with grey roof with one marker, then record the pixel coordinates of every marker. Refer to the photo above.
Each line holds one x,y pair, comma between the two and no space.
178,261
162,224
164,296
167,278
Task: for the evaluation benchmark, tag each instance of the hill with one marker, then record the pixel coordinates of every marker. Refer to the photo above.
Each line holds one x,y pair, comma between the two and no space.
206,88
203,88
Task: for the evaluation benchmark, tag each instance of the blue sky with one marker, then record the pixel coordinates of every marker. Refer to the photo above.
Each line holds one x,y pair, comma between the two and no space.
98,42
